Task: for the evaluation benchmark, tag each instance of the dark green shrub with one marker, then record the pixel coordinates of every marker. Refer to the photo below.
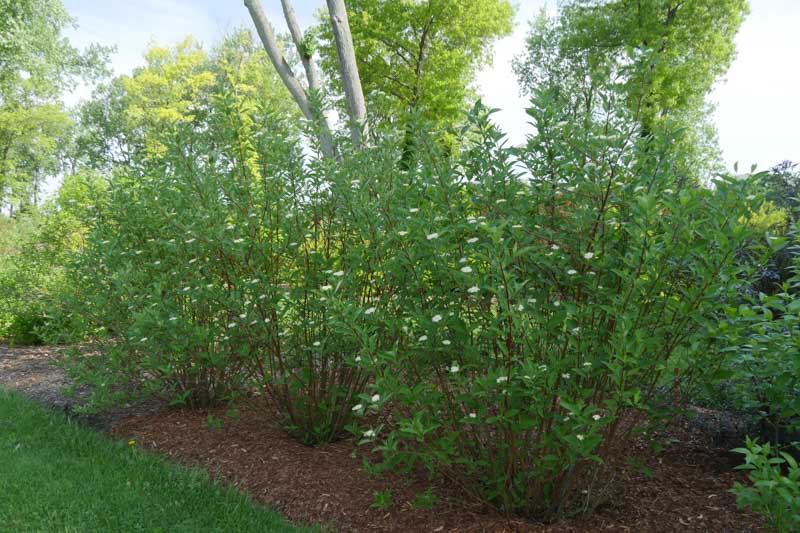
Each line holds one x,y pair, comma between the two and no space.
527,305
775,489
760,374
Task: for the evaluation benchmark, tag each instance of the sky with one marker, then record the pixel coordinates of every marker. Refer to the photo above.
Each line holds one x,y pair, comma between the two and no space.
757,107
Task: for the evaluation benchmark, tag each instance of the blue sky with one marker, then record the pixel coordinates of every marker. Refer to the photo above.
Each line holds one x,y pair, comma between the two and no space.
758,110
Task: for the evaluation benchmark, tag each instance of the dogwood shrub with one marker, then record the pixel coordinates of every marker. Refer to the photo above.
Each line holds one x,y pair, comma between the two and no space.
527,305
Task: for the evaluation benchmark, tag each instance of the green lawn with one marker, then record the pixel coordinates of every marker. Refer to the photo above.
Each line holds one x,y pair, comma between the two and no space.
57,476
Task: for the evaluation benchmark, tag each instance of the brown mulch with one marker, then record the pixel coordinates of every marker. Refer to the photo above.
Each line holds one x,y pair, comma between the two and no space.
687,490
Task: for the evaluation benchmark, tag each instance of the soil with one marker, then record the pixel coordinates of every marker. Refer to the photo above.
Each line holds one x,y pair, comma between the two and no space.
684,488
35,372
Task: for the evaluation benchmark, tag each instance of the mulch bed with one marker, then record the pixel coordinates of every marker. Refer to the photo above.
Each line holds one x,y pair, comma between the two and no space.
687,490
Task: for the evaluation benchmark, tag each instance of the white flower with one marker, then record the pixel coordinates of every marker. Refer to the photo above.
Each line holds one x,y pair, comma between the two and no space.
596,417
520,307
423,338
588,255
186,289
587,364
143,339
473,290
472,240
326,287
502,379
473,415
243,315
414,210
376,398
517,226
446,342
500,201
369,433
454,368
565,375
436,318
173,318
358,359
576,329
369,311
466,269
193,260
402,233
432,236
531,300
358,407
157,263
338,273
580,437
462,260
557,303
232,325
316,343
554,247
572,271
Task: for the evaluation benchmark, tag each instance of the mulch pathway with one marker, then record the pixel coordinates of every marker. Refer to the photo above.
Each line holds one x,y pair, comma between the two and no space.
687,490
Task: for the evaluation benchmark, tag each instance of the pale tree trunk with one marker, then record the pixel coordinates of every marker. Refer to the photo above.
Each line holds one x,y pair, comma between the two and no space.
267,35
310,68
348,70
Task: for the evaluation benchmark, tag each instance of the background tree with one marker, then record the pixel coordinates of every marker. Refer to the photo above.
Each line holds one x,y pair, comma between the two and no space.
657,59
37,63
782,186
128,120
420,57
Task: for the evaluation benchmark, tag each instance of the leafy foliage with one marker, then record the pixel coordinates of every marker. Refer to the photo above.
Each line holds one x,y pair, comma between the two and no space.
761,375
526,302
36,64
33,251
774,493
130,119
658,60
206,266
420,58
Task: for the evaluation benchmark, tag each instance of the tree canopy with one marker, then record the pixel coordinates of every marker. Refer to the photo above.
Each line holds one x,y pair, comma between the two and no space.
658,59
37,63
420,57
128,119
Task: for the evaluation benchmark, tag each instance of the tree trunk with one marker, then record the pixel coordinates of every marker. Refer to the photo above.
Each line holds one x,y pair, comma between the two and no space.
267,35
348,70
310,68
